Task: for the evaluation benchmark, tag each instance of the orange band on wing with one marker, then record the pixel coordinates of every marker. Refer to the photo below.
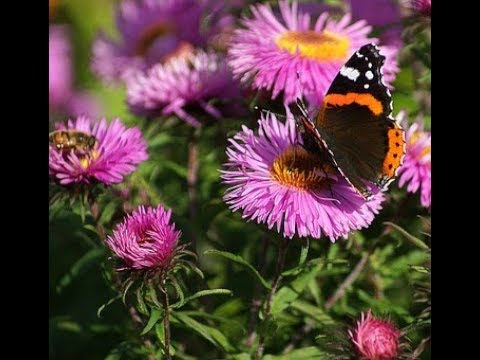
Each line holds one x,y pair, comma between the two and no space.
396,145
368,100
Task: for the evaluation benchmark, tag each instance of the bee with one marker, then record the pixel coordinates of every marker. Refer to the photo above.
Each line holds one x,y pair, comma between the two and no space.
72,139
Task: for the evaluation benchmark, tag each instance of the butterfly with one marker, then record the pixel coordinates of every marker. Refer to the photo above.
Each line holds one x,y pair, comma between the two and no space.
354,124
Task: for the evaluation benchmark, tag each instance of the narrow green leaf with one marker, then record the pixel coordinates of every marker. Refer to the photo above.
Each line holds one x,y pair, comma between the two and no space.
313,311
287,294
282,299
109,302
155,315
306,353
178,290
209,333
82,264
125,290
107,212
242,356
141,306
304,251
160,332
91,228
175,167
241,261
414,240
202,293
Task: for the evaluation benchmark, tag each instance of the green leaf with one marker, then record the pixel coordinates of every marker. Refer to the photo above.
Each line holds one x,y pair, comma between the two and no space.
80,266
287,294
242,356
282,299
107,212
241,261
109,302
155,315
203,293
211,334
268,327
306,353
315,312
178,290
141,306
304,251
160,332
130,282
175,167
414,240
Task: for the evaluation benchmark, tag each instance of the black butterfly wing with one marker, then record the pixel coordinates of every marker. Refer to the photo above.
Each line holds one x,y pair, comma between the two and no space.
356,126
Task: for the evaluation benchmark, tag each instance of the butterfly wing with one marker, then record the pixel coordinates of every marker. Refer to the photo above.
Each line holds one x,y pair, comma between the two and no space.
355,123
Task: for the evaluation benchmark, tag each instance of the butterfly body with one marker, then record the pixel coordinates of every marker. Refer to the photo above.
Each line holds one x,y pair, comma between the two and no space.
354,124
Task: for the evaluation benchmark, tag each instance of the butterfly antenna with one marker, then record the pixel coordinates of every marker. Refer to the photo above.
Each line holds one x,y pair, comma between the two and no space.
269,111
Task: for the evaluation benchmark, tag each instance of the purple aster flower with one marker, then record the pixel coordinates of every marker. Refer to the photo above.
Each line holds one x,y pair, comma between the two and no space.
271,52
383,14
114,153
192,80
416,170
151,31
274,182
63,98
145,239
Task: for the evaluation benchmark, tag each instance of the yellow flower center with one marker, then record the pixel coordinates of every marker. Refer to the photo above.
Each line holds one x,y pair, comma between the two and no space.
150,34
88,158
321,46
300,169
414,138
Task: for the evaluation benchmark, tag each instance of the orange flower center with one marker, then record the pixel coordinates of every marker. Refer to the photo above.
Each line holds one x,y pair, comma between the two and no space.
320,46
301,169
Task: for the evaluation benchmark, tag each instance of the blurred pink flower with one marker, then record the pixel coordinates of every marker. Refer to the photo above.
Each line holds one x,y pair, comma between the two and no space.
64,99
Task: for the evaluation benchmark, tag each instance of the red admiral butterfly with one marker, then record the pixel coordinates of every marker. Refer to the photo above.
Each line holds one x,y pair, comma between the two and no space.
355,126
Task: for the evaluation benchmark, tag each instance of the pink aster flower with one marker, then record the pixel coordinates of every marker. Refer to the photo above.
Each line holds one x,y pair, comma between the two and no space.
63,97
192,80
151,31
115,152
416,171
375,339
274,182
270,52
145,239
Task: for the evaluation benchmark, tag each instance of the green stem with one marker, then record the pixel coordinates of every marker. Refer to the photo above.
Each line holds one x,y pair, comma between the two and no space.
275,284
166,322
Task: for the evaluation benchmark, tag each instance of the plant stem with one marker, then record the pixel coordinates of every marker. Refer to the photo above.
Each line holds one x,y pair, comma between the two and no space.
192,176
257,302
166,322
348,281
276,281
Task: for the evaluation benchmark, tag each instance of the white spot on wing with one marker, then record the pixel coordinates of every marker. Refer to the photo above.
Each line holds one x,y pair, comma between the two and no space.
358,55
369,75
350,73
366,86
370,65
